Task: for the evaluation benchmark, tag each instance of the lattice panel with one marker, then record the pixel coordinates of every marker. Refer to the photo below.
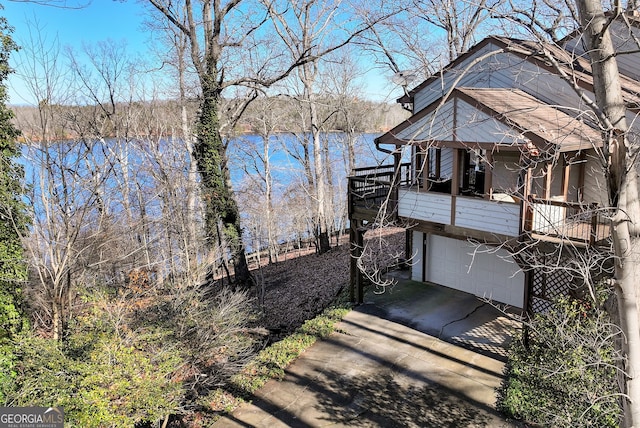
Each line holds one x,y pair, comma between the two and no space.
548,284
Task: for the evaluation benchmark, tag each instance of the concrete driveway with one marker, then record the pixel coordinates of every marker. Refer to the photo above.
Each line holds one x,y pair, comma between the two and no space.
386,367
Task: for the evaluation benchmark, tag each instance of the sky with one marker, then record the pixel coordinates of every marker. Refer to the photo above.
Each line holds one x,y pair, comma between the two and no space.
100,20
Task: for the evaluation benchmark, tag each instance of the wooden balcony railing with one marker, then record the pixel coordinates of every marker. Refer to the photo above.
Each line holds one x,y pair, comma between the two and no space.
371,187
566,220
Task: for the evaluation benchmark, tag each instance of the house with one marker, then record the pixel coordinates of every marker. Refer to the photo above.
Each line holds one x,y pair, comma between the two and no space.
497,175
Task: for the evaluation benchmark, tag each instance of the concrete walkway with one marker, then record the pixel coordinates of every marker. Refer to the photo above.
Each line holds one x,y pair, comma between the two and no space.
383,369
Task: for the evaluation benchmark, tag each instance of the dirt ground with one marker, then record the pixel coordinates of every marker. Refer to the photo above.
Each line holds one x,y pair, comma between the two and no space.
299,287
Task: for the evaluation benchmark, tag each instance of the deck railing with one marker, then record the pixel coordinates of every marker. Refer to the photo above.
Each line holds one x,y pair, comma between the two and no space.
371,187
566,220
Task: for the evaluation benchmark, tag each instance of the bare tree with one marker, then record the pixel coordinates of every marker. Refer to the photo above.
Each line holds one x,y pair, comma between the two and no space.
255,158
620,153
222,42
177,60
65,221
398,45
316,29
461,20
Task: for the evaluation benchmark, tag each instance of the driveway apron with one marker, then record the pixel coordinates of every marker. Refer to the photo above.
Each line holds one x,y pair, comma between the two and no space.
382,368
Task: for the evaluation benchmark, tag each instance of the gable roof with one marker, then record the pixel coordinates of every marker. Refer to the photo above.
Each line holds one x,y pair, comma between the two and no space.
514,110
576,66
624,30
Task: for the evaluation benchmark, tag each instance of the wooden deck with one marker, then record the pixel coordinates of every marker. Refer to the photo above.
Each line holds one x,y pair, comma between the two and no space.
556,220
372,188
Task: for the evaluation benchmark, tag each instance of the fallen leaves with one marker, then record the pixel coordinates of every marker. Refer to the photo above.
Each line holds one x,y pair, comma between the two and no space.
298,289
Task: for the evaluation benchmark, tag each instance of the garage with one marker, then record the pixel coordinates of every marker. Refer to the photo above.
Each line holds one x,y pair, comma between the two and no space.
461,265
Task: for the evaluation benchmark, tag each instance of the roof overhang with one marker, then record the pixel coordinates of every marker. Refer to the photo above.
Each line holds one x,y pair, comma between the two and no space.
495,119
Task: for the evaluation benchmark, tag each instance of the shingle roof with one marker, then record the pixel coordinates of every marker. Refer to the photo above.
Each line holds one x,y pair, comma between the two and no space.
541,123
576,66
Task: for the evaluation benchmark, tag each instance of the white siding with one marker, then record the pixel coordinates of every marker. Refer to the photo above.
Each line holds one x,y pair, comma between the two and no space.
503,70
433,126
471,125
446,162
595,187
417,256
475,126
629,63
440,87
505,172
428,206
482,271
489,216
473,213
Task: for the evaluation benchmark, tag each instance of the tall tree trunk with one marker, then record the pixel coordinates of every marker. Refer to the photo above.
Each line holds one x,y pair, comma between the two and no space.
217,192
268,183
322,234
192,186
329,192
623,192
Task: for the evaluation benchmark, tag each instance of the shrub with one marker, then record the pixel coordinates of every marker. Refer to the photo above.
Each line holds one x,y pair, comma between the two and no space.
566,375
99,378
130,360
209,329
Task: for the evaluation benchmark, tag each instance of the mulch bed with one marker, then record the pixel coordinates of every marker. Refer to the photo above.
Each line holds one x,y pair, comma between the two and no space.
301,286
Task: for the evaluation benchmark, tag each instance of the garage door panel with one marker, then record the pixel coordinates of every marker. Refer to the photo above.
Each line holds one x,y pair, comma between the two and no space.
491,275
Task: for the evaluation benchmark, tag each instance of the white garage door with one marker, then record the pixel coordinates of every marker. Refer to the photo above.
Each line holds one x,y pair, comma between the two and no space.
494,274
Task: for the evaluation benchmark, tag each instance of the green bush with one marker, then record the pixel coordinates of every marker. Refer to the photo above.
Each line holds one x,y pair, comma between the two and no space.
125,360
113,382
565,376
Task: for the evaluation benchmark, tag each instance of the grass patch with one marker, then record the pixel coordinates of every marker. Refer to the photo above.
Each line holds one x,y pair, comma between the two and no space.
271,362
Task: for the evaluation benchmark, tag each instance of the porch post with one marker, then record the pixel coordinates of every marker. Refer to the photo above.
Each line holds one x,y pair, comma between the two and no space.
408,243
547,181
566,176
354,252
395,182
359,280
455,180
488,175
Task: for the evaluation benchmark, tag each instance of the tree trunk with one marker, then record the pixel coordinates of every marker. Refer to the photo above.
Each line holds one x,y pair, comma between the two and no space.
623,193
268,181
217,192
322,234
57,327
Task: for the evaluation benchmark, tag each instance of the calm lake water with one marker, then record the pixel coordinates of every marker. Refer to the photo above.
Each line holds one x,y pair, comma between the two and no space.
284,148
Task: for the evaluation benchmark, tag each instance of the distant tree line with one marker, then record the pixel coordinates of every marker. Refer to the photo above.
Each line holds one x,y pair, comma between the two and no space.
362,116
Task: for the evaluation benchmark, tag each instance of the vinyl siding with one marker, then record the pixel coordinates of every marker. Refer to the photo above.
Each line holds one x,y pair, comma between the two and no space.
433,207
490,216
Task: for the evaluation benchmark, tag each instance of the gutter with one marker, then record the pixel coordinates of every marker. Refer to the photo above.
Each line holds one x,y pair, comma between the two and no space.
380,149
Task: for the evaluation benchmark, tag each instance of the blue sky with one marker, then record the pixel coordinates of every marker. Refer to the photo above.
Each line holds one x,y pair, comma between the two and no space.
101,20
